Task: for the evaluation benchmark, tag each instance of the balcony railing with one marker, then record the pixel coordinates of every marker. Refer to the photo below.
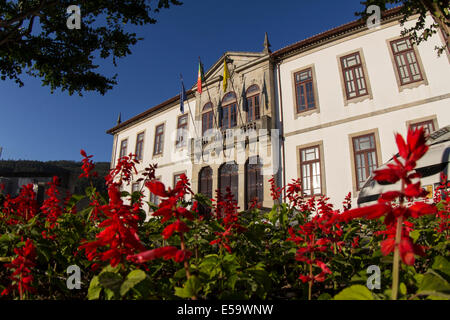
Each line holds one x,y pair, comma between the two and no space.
244,131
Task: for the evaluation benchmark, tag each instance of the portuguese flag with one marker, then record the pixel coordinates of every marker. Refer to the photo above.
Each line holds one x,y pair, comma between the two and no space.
201,77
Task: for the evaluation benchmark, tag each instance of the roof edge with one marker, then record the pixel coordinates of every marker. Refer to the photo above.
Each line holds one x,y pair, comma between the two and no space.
286,51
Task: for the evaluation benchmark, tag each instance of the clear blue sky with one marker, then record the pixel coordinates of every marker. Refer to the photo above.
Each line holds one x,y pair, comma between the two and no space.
38,125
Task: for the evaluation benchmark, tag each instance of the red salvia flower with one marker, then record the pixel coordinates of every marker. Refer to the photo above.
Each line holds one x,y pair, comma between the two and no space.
169,208
123,170
51,208
410,152
442,197
87,167
21,208
118,238
226,213
275,191
21,266
317,237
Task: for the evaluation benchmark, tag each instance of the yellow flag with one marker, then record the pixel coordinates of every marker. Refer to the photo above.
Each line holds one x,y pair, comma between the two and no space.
226,75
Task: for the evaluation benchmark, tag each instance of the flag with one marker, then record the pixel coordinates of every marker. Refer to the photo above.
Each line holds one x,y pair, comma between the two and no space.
183,96
265,94
220,113
244,98
226,75
201,77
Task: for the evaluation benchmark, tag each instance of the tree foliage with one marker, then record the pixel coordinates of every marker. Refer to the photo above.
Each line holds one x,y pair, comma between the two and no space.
35,39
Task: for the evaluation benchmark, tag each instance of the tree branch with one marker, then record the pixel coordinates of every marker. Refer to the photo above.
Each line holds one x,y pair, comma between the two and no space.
31,13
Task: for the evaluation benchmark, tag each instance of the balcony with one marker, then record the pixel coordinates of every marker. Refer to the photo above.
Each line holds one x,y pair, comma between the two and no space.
238,133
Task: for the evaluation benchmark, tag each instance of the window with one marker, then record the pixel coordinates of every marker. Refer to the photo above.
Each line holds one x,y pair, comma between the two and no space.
365,154
229,108
159,140
353,73
304,91
254,184
135,187
310,171
181,131
207,117
228,177
252,101
139,146
205,181
406,63
428,126
123,148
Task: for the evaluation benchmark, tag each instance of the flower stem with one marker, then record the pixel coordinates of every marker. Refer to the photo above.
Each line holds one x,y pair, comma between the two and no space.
310,282
396,265
186,263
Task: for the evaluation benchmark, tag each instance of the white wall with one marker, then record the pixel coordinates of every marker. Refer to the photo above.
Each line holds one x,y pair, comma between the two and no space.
172,161
385,92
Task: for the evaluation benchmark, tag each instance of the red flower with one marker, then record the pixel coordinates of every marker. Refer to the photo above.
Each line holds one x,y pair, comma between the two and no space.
163,252
119,238
415,191
275,191
226,213
22,208
51,208
410,151
124,170
317,238
168,208
157,188
178,225
87,167
421,208
370,212
406,247
182,255
21,266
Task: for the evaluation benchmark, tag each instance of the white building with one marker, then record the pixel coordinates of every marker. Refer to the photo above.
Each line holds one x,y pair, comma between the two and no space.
336,100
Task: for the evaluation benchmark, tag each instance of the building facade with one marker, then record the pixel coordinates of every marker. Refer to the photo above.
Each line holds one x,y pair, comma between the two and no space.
323,110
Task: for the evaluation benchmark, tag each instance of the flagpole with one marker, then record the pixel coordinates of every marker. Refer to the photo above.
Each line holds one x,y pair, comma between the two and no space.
187,100
209,97
234,90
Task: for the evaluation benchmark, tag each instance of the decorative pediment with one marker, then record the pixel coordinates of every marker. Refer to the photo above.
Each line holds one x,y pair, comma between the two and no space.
235,60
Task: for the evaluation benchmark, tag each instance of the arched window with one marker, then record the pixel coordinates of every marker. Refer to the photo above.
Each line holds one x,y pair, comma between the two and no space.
252,101
205,181
228,112
254,184
207,117
228,177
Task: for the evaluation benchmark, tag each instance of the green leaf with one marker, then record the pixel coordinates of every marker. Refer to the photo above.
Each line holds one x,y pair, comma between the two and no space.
94,289
402,288
415,235
111,281
132,279
355,292
190,288
325,296
441,264
433,283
